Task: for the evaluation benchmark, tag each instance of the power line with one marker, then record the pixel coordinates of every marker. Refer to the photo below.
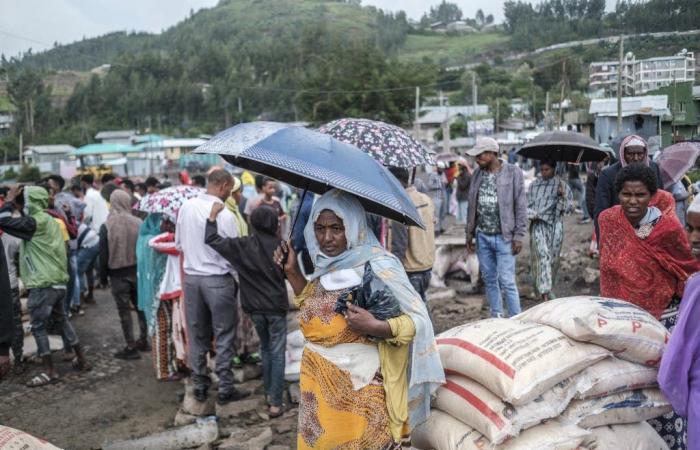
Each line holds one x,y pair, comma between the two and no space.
341,91
17,36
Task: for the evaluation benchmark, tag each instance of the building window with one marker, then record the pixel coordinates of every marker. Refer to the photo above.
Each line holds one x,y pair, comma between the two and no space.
681,106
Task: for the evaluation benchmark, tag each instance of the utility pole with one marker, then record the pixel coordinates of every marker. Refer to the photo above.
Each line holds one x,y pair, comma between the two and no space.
416,127
673,111
21,153
546,112
619,85
561,97
474,102
498,113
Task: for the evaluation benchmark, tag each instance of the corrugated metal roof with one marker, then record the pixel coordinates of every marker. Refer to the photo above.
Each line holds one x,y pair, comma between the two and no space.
438,114
653,105
115,134
181,142
104,149
49,149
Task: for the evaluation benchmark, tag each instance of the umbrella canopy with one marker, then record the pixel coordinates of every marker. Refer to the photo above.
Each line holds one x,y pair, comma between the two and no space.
168,201
388,144
563,146
447,157
676,160
317,162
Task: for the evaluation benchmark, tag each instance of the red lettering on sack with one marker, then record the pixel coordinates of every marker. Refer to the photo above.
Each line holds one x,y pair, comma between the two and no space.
635,326
602,322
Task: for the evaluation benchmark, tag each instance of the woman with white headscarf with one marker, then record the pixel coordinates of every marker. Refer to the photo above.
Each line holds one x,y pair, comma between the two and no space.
357,391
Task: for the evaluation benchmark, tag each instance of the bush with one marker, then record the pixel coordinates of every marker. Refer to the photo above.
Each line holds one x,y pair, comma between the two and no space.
9,174
29,174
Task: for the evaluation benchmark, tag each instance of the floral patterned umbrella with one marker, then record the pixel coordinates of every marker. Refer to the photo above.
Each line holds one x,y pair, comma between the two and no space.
168,201
388,144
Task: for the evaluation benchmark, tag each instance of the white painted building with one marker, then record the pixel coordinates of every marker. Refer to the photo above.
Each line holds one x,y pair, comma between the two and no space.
643,75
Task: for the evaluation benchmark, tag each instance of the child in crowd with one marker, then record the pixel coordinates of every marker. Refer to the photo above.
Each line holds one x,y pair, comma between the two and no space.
263,291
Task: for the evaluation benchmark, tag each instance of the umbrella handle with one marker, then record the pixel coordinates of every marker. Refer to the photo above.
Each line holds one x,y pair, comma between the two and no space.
296,216
578,158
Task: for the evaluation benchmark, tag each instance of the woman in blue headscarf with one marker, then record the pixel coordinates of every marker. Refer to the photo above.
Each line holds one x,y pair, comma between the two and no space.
358,391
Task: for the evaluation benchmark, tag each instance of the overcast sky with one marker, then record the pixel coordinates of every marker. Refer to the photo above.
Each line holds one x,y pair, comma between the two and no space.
37,24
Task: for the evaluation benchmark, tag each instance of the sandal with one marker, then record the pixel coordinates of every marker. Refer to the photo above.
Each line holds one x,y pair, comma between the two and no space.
272,415
252,358
174,377
84,367
42,380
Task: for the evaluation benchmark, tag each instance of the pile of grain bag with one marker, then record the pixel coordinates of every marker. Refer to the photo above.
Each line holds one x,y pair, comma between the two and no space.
572,373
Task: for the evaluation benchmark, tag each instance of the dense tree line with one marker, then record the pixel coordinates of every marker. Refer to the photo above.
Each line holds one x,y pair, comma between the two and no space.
318,75
553,21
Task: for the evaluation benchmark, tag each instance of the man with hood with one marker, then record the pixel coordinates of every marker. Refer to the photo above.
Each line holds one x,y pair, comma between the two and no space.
263,292
118,238
44,272
633,150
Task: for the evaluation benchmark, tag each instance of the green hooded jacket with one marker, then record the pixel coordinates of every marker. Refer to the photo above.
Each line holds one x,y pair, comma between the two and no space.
42,260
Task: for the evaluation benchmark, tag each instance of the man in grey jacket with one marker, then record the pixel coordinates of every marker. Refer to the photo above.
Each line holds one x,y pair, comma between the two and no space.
496,225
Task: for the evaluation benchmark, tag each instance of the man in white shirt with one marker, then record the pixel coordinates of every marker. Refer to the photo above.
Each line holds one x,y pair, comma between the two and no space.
96,208
209,287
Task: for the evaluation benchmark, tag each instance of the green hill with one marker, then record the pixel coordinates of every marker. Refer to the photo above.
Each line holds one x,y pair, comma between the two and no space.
235,24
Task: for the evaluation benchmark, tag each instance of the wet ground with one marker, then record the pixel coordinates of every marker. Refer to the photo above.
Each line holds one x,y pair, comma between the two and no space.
121,399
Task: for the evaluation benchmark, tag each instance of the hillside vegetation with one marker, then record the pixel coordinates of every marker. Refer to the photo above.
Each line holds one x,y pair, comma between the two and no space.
314,60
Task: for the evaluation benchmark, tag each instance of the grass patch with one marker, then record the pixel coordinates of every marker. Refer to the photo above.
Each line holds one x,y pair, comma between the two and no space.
450,50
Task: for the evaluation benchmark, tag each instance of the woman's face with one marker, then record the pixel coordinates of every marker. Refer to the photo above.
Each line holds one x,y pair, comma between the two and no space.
634,199
547,171
692,228
330,233
236,196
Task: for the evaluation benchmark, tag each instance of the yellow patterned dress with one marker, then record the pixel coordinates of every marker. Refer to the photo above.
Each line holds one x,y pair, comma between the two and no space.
332,415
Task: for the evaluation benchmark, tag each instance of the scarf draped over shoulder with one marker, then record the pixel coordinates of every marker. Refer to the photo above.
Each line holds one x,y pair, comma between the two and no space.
425,368
648,272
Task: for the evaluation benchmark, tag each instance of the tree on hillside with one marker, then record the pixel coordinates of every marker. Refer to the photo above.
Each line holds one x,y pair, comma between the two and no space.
32,100
444,12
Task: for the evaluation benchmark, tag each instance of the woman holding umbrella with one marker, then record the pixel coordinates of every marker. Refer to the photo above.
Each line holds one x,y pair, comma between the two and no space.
548,199
355,390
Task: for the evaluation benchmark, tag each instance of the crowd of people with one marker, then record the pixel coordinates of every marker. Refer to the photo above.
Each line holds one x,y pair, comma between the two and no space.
209,282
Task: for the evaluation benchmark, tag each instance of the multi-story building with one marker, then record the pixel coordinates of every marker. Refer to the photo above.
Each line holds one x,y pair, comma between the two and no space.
643,75
602,76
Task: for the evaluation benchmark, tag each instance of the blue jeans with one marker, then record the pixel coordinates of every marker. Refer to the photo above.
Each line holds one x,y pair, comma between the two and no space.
272,330
497,266
579,192
86,257
462,211
45,303
73,286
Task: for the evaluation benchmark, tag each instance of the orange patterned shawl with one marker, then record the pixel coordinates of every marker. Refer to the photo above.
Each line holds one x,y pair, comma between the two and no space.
647,272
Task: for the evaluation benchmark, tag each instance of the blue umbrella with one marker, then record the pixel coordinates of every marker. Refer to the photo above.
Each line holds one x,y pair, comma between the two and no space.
316,162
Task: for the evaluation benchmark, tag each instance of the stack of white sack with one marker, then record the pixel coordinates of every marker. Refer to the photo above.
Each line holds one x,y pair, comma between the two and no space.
295,348
548,380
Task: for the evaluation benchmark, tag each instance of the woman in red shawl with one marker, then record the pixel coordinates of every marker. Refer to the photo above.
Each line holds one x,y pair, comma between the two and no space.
645,259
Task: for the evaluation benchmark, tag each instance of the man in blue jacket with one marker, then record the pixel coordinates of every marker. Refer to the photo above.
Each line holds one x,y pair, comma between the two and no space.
496,225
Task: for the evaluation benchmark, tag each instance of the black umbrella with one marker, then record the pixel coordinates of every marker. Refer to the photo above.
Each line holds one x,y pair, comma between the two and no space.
565,146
